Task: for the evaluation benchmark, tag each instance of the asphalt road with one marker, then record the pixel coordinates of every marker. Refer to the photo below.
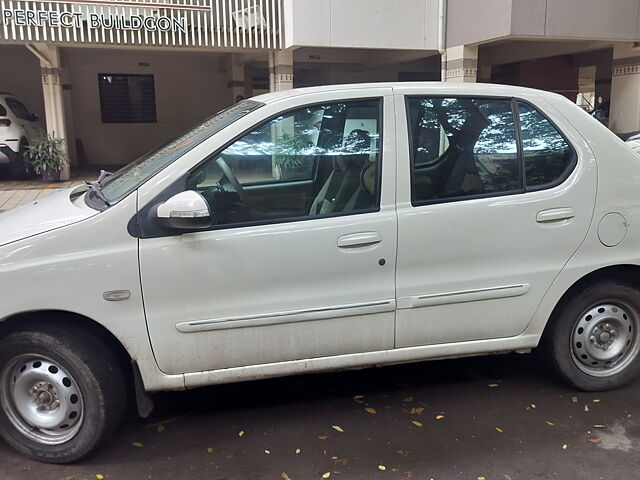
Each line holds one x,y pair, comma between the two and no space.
494,418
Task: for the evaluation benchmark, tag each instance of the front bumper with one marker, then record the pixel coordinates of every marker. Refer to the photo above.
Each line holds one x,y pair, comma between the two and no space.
7,155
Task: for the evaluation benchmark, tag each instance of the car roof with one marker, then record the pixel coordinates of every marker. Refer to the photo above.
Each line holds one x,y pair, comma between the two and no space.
485,89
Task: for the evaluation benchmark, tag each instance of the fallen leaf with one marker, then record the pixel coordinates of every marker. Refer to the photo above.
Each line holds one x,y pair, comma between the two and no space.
267,452
370,410
407,399
284,476
337,428
599,426
382,467
499,430
323,437
481,478
326,475
574,399
160,428
594,440
342,461
417,411
137,444
533,405
210,450
409,475
399,452
416,423
565,446
439,417
241,433
394,469
358,399
595,400
549,423
298,451
99,476
493,385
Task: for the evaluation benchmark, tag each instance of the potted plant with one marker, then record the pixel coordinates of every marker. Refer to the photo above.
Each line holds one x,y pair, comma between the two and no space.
48,157
289,155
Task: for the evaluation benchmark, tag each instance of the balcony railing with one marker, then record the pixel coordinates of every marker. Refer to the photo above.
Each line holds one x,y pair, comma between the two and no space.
237,24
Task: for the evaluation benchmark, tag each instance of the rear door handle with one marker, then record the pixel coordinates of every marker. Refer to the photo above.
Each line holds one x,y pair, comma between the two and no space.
555,215
363,239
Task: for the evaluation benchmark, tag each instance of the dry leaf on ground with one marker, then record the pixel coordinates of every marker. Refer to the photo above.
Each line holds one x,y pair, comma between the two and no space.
370,410
337,428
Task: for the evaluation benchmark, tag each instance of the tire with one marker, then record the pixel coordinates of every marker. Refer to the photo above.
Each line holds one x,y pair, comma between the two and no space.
23,169
62,393
594,337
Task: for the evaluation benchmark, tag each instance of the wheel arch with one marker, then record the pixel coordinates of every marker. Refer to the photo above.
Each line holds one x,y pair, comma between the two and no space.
19,321
627,273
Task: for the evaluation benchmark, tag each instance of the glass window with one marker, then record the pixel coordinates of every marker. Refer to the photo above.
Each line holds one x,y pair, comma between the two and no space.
317,160
3,111
462,147
18,109
127,98
547,155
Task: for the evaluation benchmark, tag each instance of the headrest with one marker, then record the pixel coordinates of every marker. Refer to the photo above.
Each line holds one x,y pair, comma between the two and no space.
355,151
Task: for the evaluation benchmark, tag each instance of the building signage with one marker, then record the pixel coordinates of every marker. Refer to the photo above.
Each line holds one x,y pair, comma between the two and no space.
50,18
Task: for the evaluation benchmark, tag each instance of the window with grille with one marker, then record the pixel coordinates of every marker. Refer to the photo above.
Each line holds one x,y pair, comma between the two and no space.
127,98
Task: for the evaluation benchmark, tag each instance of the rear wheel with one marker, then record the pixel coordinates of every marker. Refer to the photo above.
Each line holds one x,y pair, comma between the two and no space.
62,393
594,341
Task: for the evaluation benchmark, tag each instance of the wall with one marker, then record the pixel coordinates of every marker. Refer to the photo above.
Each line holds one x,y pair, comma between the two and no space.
188,87
573,19
401,24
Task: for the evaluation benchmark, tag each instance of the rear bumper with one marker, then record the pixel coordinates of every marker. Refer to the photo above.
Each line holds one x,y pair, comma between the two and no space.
7,155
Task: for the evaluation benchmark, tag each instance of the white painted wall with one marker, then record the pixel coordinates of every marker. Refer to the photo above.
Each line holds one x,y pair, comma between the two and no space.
189,87
402,24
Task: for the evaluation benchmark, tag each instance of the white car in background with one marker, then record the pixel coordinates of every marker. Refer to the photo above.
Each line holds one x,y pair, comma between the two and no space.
322,229
18,128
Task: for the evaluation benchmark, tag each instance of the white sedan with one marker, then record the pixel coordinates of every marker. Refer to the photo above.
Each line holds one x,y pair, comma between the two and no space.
322,229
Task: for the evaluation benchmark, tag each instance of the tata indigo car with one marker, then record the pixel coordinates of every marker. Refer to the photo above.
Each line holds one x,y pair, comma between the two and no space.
322,229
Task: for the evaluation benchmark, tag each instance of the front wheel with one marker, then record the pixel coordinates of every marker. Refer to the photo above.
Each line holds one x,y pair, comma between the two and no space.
61,392
594,338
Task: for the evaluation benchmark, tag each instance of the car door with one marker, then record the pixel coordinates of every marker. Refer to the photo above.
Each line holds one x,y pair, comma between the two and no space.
300,260
495,194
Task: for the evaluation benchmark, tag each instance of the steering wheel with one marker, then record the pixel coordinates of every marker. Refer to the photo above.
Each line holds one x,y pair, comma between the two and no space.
233,180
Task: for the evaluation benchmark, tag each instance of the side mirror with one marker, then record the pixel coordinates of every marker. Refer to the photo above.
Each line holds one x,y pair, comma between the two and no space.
185,211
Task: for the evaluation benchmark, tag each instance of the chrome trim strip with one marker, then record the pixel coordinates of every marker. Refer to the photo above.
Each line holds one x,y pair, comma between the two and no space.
292,316
463,296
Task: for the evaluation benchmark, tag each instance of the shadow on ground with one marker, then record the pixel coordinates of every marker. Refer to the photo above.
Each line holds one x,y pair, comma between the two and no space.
499,417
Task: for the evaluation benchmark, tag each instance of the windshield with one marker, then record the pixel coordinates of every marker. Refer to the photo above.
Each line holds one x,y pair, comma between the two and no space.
124,181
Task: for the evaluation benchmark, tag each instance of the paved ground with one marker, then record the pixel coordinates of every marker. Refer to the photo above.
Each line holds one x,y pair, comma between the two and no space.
501,418
14,193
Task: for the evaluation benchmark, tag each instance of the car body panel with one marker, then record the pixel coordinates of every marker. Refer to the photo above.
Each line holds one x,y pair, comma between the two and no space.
71,256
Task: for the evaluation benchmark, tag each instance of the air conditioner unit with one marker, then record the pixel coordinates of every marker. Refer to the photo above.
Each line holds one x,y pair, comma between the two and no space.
250,18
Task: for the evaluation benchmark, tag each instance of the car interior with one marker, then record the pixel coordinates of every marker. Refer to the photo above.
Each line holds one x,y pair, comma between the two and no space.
315,162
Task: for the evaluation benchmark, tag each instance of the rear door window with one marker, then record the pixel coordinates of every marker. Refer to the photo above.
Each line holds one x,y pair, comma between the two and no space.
18,109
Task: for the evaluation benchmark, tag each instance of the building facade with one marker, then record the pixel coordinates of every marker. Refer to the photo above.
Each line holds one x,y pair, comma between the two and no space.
117,77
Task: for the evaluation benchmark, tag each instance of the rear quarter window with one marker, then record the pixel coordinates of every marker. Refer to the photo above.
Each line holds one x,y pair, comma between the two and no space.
3,111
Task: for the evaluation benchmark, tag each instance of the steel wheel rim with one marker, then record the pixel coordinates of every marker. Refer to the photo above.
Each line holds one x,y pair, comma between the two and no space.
41,399
604,340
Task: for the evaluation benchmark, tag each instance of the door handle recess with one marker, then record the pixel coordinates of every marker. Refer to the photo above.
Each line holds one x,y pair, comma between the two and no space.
363,239
555,215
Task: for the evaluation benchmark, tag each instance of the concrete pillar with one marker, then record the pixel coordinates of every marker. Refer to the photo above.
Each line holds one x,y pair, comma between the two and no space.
236,81
460,64
51,72
280,70
624,113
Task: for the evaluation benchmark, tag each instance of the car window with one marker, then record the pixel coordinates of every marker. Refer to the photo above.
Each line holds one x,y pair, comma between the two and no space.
18,109
316,160
3,111
461,148
547,155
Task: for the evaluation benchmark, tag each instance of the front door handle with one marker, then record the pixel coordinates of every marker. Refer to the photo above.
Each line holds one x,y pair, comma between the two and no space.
363,239
555,215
